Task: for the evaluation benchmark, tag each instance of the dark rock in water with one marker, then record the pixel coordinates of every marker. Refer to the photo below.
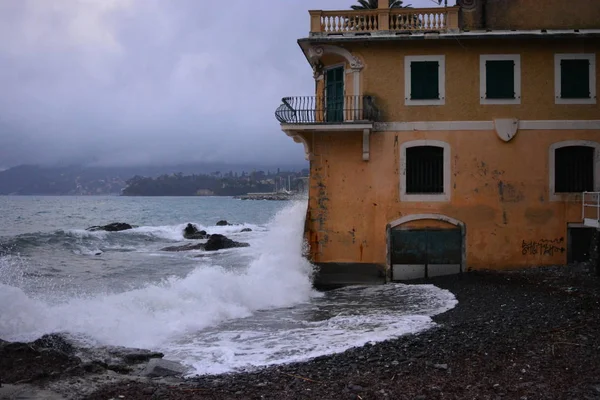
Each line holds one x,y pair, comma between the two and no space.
119,368
133,356
25,362
94,367
192,232
246,230
218,242
158,367
114,227
187,247
54,342
223,223
215,242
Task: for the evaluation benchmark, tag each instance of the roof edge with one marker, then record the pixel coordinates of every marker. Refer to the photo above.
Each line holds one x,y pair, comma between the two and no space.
496,34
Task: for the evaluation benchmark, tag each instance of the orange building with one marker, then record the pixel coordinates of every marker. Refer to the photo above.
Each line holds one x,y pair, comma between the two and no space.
449,139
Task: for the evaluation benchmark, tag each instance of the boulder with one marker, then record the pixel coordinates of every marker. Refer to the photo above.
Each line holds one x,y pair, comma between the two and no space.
246,230
215,242
114,227
157,367
186,247
218,242
223,223
131,356
54,342
192,232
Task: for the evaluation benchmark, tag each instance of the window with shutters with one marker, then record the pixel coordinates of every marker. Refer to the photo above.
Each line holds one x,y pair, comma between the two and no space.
500,79
424,80
425,171
574,168
575,78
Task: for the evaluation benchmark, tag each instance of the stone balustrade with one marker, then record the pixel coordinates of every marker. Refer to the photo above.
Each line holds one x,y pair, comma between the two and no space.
410,20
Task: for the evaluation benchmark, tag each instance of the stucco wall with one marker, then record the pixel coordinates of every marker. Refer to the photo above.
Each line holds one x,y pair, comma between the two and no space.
499,190
383,76
529,14
549,14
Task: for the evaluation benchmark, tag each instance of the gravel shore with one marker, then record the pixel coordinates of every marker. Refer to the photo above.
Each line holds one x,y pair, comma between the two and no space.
529,334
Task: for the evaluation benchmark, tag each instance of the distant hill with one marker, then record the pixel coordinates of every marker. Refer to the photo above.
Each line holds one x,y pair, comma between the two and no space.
82,180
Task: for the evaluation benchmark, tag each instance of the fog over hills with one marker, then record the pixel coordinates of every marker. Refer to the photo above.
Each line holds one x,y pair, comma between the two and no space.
83,180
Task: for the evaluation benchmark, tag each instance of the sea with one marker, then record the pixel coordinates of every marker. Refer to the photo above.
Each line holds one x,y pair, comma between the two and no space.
215,312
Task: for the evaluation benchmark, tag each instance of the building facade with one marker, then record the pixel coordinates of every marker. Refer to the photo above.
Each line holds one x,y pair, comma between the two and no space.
449,139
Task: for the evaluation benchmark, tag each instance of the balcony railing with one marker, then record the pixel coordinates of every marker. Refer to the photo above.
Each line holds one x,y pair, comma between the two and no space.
327,110
409,20
590,210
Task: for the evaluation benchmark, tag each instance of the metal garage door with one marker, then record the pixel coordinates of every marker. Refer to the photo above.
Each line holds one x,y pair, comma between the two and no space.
421,253
579,244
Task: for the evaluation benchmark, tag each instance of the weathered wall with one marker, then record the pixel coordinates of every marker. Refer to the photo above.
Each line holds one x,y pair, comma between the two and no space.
530,14
498,189
383,76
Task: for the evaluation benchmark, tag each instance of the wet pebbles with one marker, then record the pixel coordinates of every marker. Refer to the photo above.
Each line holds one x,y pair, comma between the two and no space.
524,335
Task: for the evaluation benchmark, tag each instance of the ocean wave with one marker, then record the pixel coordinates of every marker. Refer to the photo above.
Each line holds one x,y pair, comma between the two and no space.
338,321
234,310
157,314
81,241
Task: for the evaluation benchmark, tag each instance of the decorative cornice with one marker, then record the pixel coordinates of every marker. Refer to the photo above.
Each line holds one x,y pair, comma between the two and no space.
314,54
485,125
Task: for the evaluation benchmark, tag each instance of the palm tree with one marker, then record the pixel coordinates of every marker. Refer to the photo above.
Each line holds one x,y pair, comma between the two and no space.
374,4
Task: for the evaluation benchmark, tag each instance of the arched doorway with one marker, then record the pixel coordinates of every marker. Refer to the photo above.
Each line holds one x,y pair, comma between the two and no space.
425,246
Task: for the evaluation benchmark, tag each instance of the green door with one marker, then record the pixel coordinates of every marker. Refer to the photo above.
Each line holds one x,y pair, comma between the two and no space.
334,86
420,253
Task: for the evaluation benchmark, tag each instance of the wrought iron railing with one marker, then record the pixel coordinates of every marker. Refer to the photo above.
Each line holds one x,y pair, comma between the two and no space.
327,110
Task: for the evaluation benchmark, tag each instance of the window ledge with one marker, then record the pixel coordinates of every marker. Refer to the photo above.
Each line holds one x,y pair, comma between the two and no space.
433,197
437,102
566,197
501,101
575,101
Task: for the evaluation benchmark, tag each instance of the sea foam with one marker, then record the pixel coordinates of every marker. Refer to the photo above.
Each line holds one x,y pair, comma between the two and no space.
152,316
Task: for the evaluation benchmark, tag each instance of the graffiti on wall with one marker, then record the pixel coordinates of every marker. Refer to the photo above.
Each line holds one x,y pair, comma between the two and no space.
545,247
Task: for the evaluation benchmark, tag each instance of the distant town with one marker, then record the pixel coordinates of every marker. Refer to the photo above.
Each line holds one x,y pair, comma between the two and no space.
189,180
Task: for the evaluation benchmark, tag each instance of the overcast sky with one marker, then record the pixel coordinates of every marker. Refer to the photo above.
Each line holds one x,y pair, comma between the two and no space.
141,82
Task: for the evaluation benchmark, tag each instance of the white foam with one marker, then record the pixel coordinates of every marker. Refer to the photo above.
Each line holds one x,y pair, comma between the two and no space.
150,317
219,319
244,346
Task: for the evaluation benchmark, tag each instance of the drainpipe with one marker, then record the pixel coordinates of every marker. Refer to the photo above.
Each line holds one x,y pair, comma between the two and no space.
483,14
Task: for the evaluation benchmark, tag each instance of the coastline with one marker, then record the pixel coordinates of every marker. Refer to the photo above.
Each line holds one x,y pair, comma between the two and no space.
526,334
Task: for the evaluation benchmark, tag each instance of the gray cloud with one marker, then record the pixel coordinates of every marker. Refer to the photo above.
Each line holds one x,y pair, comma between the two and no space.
151,81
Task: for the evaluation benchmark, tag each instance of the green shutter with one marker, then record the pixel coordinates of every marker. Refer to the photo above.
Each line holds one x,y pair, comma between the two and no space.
575,79
500,79
424,80
334,81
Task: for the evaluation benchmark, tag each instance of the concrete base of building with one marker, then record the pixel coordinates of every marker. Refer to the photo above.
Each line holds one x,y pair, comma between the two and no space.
421,271
336,275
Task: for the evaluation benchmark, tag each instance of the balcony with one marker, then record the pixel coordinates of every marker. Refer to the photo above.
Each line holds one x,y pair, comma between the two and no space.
311,110
384,21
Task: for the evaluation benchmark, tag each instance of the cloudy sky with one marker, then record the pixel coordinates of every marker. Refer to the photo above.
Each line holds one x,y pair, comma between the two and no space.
151,81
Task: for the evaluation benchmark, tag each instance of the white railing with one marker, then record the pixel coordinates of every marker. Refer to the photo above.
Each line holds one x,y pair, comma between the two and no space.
410,20
590,208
